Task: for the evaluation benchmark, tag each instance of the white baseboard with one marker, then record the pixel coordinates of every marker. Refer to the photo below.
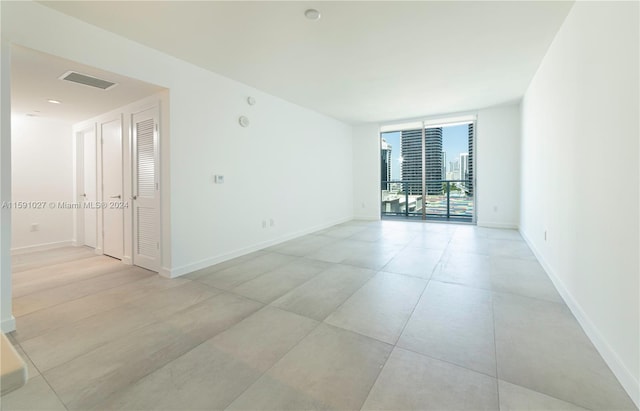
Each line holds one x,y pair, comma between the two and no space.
8,325
366,218
189,268
619,369
490,224
165,272
364,215
41,247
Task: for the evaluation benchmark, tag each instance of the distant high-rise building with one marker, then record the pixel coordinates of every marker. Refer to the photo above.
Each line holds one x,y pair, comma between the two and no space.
470,183
411,149
385,162
433,162
454,167
444,165
411,166
464,167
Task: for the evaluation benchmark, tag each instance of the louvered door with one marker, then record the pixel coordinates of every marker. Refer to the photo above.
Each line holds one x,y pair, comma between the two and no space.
146,198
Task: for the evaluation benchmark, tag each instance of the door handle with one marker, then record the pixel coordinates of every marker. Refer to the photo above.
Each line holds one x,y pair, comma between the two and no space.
118,196
135,197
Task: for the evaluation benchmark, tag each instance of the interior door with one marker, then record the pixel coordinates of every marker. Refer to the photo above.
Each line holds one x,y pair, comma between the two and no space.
112,187
146,194
89,192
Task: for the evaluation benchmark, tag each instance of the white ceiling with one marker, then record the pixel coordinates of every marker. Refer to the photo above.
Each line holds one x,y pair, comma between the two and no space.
35,79
362,61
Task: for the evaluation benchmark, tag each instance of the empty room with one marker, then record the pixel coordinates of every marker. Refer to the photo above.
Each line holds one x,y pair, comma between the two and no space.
236,205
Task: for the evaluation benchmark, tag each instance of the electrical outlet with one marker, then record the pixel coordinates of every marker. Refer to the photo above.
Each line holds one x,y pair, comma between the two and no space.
264,223
218,179
272,222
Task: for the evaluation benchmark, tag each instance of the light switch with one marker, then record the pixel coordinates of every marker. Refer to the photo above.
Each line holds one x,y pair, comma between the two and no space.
218,179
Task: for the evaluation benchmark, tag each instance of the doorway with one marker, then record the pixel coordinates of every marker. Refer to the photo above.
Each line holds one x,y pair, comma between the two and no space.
127,212
85,179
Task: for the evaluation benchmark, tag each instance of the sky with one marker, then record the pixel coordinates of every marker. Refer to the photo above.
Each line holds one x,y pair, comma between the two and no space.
454,141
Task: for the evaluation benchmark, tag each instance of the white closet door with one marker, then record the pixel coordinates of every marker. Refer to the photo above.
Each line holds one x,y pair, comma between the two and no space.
146,194
89,194
112,217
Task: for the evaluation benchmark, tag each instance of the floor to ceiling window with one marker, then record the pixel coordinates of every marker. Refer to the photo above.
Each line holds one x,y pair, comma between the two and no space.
427,170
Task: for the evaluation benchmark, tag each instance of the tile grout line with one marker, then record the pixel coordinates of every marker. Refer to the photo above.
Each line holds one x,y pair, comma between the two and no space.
340,305
115,307
495,347
394,345
492,291
279,359
64,404
549,396
447,362
61,265
81,297
271,302
45,263
154,321
43,378
203,273
134,383
498,378
427,280
429,356
375,272
250,279
322,322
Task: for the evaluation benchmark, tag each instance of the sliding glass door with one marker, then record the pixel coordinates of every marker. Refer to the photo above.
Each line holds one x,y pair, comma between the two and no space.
427,171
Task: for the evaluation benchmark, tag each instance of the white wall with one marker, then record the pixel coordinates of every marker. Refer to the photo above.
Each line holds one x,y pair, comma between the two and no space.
497,166
366,172
41,172
7,321
580,178
292,165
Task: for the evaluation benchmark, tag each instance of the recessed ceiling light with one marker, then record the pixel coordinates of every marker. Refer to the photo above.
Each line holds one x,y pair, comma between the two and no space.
312,14
54,101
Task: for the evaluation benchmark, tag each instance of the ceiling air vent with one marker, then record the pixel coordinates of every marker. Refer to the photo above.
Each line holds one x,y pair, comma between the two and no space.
87,80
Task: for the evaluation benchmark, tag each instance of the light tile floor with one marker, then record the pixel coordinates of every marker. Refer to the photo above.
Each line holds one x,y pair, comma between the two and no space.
365,315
